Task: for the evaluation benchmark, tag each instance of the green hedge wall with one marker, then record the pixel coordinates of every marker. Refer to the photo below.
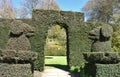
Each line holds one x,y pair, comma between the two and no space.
35,43
4,32
102,70
15,70
42,20
107,70
76,31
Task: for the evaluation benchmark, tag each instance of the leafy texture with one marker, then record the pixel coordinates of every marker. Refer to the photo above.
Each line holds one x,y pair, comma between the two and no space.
56,41
12,56
100,10
19,33
101,60
72,22
17,57
15,70
101,37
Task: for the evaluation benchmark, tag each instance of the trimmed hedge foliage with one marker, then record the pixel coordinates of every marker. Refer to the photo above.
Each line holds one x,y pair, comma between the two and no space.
101,37
15,70
102,57
100,70
21,57
42,20
76,30
110,70
4,32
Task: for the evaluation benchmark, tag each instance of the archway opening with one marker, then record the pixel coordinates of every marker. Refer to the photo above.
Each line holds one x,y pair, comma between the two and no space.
56,48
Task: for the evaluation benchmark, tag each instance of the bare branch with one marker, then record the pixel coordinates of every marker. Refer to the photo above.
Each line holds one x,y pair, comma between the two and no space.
29,5
7,10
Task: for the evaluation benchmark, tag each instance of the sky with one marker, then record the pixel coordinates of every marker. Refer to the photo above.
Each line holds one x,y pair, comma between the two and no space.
65,5
71,5
16,3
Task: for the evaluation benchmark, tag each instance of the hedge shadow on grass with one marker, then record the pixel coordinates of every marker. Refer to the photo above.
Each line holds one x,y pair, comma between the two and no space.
59,66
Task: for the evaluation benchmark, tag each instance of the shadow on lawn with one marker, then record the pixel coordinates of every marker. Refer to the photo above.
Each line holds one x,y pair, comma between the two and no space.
62,67
48,57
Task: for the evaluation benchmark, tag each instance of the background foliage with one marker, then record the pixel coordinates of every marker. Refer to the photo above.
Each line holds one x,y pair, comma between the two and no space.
56,41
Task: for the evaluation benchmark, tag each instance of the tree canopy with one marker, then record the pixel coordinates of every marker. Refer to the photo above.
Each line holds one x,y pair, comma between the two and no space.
29,5
100,10
7,10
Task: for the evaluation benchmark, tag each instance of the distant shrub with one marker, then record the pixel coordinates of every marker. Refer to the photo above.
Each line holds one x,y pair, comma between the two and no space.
116,41
55,51
79,71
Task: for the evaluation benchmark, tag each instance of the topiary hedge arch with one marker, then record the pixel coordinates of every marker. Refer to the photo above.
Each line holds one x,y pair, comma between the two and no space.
42,20
73,23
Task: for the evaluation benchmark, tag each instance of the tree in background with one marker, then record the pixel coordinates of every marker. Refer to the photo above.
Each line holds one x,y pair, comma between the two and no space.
116,26
116,15
29,5
49,5
100,10
7,10
58,34
26,7
56,41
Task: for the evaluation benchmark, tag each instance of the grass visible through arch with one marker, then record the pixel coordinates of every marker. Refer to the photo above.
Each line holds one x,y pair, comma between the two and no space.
56,62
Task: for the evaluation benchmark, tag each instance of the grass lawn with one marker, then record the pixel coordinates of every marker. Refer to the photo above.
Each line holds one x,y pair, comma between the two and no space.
55,62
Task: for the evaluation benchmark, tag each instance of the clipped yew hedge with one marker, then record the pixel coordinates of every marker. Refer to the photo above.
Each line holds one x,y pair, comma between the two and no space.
42,20
35,43
4,32
76,30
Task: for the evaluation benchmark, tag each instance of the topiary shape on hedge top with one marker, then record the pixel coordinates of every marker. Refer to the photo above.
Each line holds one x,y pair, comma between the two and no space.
101,37
21,57
102,57
18,36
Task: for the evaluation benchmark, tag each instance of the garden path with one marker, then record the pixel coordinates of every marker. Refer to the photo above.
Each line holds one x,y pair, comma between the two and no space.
54,72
